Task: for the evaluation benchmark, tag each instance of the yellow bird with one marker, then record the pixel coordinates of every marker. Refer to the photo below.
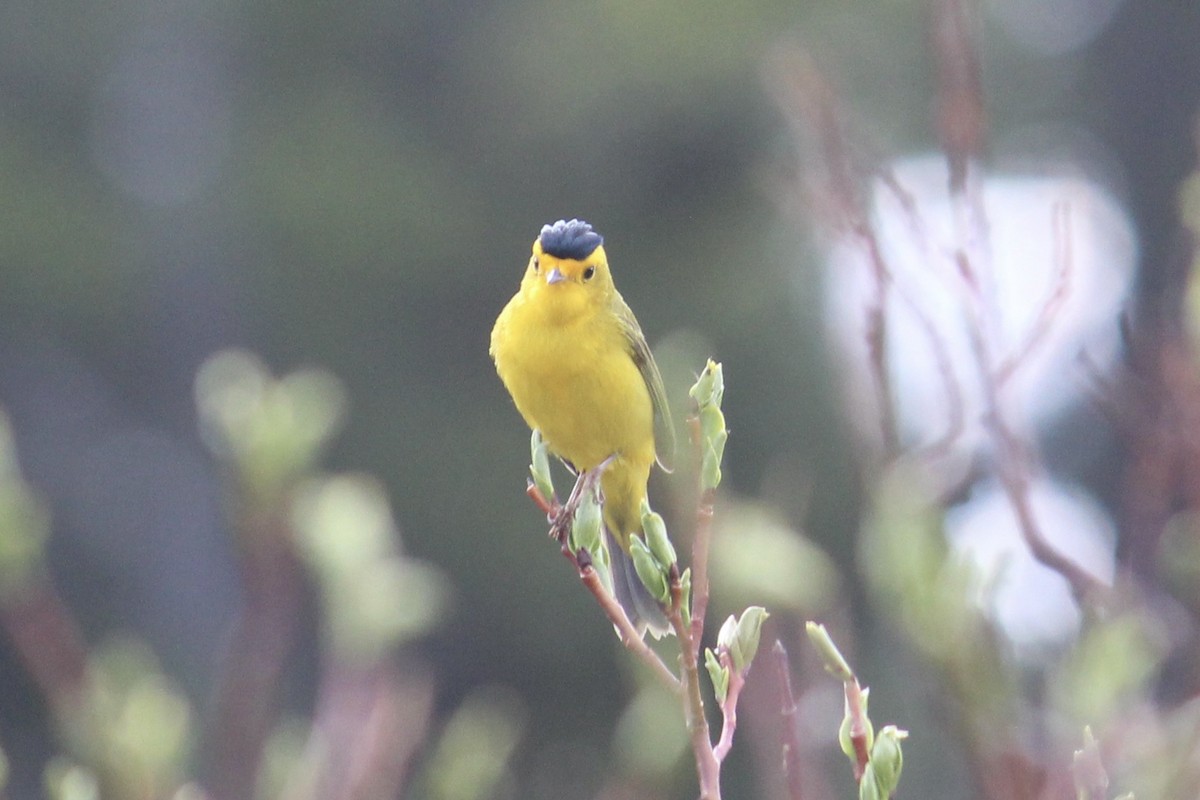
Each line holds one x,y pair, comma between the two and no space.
574,359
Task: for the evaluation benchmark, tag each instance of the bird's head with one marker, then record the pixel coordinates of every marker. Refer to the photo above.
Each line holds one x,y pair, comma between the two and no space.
568,267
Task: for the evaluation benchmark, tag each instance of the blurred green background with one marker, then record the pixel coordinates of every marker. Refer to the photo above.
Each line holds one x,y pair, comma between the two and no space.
356,186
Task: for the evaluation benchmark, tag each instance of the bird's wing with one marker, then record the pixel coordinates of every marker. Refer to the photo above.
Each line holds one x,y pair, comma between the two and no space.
639,351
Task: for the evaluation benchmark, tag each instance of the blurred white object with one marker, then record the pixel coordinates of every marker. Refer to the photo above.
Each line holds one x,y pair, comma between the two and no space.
1044,239
1029,602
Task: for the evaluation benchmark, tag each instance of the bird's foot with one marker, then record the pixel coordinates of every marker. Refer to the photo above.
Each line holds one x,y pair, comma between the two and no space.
562,516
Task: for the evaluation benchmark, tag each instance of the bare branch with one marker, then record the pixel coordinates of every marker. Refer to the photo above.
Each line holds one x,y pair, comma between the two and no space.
1061,290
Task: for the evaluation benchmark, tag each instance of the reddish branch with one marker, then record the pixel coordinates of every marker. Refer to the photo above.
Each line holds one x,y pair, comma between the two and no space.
378,718
262,642
789,737
708,767
49,643
961,120
729,709
700,548
560,527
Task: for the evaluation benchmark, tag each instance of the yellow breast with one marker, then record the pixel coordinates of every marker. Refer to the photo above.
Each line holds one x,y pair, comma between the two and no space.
575,380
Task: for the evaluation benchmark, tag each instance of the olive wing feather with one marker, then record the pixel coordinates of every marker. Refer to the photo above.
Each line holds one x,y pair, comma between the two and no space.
639,351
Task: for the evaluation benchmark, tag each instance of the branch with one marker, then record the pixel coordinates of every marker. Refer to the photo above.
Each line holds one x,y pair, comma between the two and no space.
1058,295
855,707
49,644
789,739
629,635
700,547
559,517
379,718
258,654
708,768
729,710
1013,470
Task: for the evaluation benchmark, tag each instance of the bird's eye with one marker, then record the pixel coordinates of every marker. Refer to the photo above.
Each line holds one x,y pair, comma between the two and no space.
534,263
588,273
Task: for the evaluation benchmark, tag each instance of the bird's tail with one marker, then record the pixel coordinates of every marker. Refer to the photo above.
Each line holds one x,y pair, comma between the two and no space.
642,609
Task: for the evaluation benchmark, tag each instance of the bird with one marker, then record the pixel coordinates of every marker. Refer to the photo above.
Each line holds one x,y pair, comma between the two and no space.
573,357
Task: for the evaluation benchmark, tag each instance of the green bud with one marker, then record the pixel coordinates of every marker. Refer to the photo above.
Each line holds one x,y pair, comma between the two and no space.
727,637
602,563
712,423
587,525
710,470
540,466
845,731
887,758
712,441
747,633
655,531
718,378
709,386
649,570
835,662
844,740
685,596
718,674
269,430
868,787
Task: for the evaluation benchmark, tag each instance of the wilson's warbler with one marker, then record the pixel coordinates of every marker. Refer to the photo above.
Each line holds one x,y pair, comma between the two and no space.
574,359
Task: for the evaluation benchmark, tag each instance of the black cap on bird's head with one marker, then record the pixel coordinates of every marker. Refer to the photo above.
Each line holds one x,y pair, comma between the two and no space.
572,239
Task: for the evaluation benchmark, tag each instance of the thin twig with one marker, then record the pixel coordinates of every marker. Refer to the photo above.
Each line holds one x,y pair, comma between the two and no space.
961,126
856,706
951,388
559,516
49,643
789,738
1044,323
708,769
379,717
729,710
961,119
262,642
629,635
700,548
1014,477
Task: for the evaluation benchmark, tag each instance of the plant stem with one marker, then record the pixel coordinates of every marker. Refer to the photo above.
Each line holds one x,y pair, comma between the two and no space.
633,641
789,739
708,768
49,643
700,546
729,714
858,727
258,654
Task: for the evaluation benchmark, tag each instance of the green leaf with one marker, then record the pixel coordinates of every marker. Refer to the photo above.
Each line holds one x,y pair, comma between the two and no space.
835,662
747,633
887,758
587,526
539,467
718,674
649,570
655,531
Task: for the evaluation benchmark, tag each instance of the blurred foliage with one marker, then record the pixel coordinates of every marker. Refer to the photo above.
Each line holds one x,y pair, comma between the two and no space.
471,761
356,186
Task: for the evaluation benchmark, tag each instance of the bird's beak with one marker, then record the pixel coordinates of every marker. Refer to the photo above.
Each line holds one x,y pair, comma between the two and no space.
555,276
